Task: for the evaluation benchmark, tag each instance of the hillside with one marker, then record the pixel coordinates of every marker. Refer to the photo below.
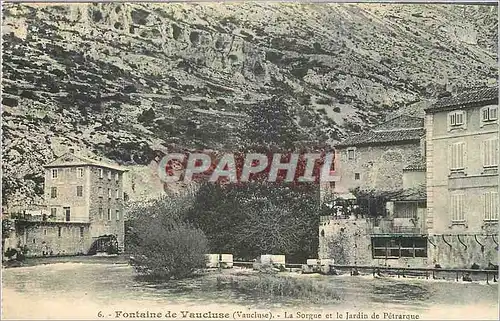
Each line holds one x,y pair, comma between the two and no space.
121,81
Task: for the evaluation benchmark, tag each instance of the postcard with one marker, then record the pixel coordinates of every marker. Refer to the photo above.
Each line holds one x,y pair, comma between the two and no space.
250,160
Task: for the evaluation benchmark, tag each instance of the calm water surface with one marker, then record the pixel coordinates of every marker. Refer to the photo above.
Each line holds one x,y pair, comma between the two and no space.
43,289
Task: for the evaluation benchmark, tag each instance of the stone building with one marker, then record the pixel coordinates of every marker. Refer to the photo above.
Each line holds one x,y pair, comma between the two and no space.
446,212
462,178
83,211
375,159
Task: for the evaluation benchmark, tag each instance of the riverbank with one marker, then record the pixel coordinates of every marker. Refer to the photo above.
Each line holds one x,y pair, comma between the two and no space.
94,259
80,290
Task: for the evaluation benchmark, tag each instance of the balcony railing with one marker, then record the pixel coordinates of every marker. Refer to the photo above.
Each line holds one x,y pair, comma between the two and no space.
388,226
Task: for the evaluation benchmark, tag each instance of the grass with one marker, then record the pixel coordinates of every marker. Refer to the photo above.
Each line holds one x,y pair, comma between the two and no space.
278,286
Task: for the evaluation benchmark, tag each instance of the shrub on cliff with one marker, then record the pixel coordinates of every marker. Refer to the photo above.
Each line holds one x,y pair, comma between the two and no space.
162,245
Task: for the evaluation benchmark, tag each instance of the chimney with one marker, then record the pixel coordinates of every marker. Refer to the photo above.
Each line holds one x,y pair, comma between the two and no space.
72,150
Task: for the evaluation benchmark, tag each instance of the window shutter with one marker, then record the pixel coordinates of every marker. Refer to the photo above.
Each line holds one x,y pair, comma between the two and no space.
487,205
495,208
450,157
462,155
493,113
487,152
483,201
494,151
462,207
485,114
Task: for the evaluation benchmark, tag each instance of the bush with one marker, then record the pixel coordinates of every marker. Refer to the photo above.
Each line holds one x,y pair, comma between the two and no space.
161,244
169,253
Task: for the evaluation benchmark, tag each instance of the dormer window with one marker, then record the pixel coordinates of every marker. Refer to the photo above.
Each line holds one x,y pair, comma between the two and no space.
456,119
489,114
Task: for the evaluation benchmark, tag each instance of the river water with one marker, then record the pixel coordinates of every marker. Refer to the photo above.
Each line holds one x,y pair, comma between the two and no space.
86,291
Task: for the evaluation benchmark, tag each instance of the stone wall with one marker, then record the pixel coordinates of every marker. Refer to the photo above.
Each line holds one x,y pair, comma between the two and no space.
348,241
101,225
379,167
51,238
66,184
463,252
345,241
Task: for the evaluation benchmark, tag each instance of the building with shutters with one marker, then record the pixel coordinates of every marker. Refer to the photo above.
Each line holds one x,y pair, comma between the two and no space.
462,176
448,209
83,211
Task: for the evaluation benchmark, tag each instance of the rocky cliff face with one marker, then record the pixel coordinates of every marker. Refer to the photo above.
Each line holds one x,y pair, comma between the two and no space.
120,81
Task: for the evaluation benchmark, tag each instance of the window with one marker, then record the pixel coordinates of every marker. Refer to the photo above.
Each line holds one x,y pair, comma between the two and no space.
101,213
79,191
488,114
117,215
101,173
53,211
54,173
82,230
53,192
44,231
109,192
457,159
99,191
67,212
351,154
117,194
59,231
398,247
117,177
356,176
457,208
456,119
490,152
79,172
490,206
109,174
109,214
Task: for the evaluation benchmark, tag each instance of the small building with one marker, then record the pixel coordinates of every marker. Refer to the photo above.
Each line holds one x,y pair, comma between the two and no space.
375,159
83,210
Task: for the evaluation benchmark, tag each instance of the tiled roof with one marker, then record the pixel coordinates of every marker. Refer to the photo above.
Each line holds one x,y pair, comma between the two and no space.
381,137
418,193
466,99
70,159
401,122
418,166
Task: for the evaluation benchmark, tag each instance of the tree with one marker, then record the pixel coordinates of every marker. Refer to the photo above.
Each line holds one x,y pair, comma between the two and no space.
373,202
163,245
272,124
257,218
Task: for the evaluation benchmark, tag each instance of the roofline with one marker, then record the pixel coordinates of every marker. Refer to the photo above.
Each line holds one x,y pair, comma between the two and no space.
434,110
392,142
420,169
87,164
396,117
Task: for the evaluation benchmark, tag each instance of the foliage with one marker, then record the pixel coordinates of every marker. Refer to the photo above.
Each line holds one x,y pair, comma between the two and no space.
373,202
258,218
8,226
162,244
